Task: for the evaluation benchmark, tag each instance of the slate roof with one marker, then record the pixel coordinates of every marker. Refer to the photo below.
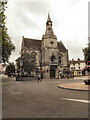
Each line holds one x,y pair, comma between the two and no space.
18,59
74,61
28,42
32,43
61,47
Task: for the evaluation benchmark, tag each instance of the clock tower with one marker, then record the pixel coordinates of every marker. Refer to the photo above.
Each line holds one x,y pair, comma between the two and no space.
49,50
49,39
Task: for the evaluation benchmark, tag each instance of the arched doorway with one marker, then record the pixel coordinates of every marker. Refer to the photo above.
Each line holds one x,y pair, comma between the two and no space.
52,71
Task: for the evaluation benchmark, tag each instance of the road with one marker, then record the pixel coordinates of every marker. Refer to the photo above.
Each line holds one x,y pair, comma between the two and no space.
33,99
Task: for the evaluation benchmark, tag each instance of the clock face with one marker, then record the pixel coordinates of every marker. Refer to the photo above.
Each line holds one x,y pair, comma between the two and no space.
52,42
49,23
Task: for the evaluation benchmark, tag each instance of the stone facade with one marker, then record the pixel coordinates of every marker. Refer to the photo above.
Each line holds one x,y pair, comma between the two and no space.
51,55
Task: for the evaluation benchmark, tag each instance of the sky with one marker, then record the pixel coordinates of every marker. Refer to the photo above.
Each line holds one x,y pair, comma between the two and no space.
70,23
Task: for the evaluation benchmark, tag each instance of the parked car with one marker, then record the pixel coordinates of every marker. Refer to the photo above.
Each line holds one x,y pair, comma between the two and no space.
87,82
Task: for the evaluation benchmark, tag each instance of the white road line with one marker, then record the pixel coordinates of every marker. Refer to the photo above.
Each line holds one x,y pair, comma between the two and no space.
8,83
77,100
16,93
50,82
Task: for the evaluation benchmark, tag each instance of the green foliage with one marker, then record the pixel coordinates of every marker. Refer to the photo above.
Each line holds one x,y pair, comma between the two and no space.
28,63
86,52
6,45
10,68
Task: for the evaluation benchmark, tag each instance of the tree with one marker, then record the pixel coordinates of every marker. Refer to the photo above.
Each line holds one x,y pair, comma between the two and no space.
10,69
6,45
28,63
86,52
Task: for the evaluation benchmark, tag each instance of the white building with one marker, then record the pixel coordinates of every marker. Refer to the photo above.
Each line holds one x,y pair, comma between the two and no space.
77,66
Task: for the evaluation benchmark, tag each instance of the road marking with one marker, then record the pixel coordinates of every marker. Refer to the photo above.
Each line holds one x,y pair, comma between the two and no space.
16,93
8,83
50,82
77,100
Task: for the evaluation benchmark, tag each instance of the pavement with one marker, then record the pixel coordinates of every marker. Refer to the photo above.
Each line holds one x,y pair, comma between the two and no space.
78,86
33,99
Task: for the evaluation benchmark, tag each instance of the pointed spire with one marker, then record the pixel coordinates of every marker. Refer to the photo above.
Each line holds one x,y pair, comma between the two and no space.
49,19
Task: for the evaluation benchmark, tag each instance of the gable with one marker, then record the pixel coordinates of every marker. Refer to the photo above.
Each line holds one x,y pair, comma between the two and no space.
61,47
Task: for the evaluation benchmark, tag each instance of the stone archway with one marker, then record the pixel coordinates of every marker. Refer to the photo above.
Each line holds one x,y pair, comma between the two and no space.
52,71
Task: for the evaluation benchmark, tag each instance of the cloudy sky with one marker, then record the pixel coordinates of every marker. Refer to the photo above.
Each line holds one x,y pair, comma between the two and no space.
70,23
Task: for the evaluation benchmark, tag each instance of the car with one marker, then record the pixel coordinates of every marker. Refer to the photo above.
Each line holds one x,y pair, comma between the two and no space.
87,82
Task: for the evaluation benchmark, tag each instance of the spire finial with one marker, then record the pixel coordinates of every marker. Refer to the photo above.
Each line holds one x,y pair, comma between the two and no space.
49,19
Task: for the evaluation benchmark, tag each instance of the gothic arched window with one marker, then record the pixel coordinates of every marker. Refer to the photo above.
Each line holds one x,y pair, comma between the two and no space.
60,58
53,58
33,56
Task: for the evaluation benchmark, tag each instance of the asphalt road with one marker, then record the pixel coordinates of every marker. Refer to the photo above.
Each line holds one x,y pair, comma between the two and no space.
33,99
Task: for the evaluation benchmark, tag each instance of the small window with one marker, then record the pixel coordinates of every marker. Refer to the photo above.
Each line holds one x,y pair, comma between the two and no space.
33,56
51,42
49,29
53,58
60,59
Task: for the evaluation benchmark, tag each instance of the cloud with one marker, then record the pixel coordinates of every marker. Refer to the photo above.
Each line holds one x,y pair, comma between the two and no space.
89,19
74,2
28,18
75,51
22,20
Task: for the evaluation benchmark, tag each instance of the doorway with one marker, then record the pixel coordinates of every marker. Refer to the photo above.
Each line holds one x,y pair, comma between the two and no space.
52,71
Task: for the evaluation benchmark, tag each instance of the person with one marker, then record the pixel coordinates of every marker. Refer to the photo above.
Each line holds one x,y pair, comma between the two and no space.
39,77
60,74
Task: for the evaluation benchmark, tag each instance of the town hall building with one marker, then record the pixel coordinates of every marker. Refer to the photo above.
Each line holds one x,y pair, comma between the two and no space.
51,56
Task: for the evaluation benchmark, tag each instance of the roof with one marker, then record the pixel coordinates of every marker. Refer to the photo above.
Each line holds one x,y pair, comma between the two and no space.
49,19
18,59
61,47
32,43
28,42
74,61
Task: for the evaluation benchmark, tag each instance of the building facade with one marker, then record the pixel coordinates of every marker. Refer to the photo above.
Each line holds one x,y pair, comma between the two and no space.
77,66
51,56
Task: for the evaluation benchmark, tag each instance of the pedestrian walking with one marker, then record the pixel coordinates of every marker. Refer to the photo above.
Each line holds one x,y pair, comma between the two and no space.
39,77
60,74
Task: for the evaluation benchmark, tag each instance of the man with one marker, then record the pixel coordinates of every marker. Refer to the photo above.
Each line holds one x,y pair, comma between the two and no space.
39,77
